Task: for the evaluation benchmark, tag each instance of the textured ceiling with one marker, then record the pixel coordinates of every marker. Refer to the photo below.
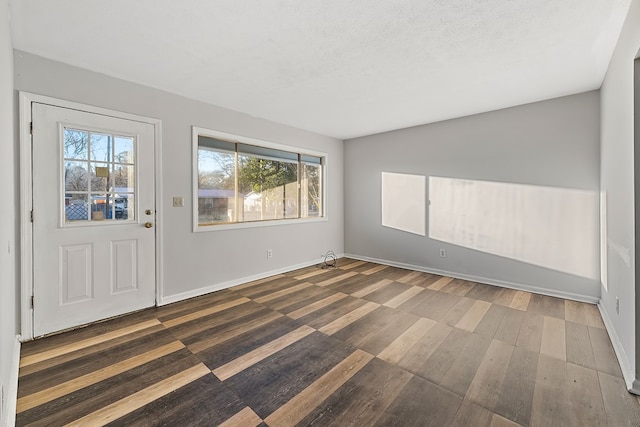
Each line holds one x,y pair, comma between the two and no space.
336,67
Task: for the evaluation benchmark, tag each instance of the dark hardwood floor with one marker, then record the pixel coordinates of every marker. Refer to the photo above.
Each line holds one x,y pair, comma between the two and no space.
363,344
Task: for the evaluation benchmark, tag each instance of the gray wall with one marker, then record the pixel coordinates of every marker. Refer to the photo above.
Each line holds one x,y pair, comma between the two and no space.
551,143
617,176
8,185
193,262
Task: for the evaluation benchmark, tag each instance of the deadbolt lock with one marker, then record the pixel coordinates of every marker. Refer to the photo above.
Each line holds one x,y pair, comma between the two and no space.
148,212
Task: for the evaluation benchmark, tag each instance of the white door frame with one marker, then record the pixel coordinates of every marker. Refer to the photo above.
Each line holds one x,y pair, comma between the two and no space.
26,195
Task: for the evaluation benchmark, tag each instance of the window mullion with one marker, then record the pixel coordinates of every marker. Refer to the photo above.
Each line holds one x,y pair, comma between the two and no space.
299,186
321,210
236,214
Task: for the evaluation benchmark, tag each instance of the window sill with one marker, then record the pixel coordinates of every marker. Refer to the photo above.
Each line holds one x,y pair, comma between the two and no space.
256,224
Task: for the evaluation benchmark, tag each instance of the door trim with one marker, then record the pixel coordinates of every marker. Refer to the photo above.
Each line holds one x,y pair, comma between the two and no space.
26,195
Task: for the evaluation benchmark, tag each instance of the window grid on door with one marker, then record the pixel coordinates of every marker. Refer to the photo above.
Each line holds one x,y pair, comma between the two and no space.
99,176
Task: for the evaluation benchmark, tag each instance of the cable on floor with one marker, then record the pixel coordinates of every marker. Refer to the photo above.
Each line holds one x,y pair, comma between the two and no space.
330,260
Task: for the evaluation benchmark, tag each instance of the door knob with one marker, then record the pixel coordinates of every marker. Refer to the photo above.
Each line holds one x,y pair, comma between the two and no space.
148,224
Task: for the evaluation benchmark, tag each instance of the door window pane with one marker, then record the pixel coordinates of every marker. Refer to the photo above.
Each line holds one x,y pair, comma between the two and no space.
101,147
123,150
99,176
124,204
123,178
75,144
76,176
76,207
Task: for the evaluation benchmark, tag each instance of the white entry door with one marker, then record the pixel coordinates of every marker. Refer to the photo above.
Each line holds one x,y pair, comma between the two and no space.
93,217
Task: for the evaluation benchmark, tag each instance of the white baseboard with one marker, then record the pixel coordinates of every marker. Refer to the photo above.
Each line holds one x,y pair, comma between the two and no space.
11,391
627,369
517,286
235,282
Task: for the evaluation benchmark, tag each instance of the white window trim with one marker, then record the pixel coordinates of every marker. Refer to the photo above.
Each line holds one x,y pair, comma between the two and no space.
198,131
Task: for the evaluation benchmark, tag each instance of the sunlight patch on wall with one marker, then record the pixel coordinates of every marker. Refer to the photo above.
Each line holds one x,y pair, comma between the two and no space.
555,228
403,202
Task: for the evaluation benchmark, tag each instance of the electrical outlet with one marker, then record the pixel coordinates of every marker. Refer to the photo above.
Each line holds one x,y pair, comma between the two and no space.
617,305
443,253
178,202
269,253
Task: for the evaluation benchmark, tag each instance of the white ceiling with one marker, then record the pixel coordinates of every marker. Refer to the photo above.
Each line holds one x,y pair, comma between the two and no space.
342,68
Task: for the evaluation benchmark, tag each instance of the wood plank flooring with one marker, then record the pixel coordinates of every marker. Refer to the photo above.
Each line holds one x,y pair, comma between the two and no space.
362,344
